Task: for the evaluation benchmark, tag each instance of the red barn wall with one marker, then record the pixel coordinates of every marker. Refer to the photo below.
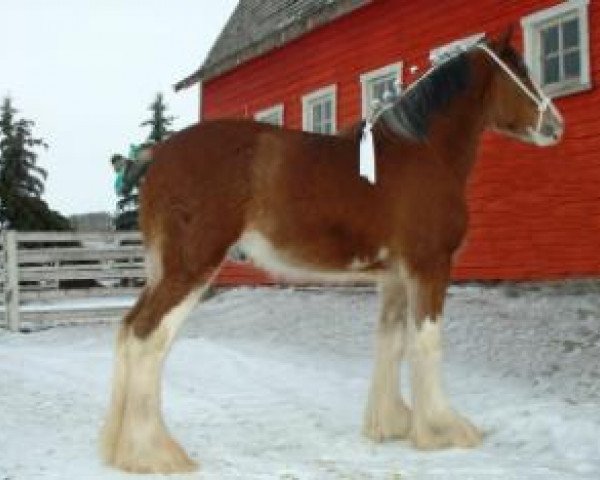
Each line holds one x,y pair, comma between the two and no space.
535,213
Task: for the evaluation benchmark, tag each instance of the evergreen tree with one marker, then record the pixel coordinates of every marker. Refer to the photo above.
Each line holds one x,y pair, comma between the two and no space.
21,179
160,128
160,123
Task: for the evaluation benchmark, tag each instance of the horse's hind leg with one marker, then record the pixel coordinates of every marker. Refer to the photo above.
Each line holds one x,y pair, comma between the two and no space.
135,438
114,418
386,415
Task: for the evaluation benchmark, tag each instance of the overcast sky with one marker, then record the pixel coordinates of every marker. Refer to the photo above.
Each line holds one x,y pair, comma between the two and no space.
86,71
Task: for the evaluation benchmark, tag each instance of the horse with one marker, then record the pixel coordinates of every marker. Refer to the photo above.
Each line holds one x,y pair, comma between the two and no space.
296,204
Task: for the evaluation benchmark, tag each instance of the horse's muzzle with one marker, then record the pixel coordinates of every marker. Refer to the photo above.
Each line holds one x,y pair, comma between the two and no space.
550,131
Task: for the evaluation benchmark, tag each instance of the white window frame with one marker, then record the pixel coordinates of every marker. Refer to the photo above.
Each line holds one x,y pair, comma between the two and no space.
329,92
531,26
439,54
275,110
367,80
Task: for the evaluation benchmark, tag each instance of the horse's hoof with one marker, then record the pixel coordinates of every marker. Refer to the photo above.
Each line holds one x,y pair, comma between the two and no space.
392,423
164,457
452,431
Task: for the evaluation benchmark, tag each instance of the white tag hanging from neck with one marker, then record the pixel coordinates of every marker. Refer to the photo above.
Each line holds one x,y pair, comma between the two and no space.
367,154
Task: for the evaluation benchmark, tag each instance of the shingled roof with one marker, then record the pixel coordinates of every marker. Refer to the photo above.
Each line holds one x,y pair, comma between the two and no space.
257,26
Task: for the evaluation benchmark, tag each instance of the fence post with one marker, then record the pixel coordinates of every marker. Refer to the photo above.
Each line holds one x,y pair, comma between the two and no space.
11,288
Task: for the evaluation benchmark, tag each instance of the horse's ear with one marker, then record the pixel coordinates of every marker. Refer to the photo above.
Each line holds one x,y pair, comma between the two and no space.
504,39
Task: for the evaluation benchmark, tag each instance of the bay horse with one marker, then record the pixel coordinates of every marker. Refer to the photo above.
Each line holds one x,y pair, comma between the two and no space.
296,204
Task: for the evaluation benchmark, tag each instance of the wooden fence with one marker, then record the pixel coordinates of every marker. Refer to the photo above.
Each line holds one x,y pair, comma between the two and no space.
48,278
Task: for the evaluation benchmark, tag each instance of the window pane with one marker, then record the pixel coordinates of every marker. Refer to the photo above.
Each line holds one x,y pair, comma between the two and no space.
317,116
382,86
327,128
570,32
327,111
572,65
390,86
551,70
550,40
377,91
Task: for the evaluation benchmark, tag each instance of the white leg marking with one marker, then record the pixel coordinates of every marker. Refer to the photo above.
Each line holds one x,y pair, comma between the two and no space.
153,267
386,415
426,375
112,426
434,424
143,443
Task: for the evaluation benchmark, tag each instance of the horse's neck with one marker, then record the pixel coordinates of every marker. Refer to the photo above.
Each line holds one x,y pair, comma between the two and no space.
457,133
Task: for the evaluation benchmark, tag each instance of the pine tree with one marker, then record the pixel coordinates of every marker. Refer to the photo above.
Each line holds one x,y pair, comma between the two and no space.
159,123
21,179
160,128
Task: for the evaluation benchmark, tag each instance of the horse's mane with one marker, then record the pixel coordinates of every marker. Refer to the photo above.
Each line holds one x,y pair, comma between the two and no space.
410,114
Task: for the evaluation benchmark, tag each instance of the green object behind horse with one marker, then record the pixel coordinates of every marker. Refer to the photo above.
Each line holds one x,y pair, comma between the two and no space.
129,171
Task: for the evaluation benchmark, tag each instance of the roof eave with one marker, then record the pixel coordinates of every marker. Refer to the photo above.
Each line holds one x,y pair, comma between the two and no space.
275,40
190,80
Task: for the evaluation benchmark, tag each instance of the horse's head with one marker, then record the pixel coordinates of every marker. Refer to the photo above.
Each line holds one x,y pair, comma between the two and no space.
519,108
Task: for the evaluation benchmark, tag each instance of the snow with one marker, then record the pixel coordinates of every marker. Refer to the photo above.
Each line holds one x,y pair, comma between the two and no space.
271,384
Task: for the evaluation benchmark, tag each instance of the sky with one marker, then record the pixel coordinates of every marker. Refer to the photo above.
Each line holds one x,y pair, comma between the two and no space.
86,72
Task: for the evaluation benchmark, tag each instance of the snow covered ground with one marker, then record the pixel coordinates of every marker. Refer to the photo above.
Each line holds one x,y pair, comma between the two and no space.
271,384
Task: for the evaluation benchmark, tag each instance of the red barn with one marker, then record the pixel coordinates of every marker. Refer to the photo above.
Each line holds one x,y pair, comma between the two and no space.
319,64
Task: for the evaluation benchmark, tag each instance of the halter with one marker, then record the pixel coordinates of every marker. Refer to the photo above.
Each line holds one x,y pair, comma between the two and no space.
542,102
539,98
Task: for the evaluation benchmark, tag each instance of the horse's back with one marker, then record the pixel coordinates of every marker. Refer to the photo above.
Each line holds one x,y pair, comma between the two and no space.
240,161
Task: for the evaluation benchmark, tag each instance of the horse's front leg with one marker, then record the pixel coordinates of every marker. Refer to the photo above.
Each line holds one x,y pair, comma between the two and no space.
434,423
386,415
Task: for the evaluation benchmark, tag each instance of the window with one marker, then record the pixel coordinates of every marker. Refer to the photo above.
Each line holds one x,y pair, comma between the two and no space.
273,115
319,111
557,47
376,85
441,54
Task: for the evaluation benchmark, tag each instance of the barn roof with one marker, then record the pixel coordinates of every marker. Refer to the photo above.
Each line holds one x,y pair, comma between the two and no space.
258,26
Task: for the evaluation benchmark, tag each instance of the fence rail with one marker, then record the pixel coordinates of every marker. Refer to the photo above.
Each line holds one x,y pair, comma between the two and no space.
42,266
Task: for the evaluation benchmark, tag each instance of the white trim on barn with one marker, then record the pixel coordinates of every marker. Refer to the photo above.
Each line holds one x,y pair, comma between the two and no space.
439,54
317,101
371,80
555,18
273,115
